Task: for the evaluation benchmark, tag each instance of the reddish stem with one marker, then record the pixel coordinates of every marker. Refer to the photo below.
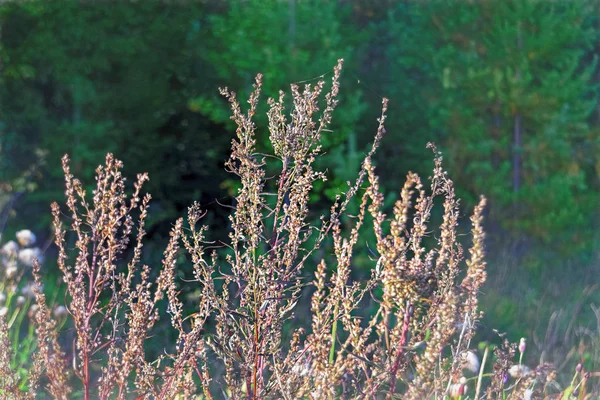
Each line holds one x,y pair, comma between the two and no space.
403,339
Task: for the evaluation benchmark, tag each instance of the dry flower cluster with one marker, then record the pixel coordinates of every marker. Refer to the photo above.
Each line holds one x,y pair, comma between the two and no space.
416,344
18,308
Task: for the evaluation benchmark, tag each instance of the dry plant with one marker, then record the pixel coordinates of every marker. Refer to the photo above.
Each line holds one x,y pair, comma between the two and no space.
415,345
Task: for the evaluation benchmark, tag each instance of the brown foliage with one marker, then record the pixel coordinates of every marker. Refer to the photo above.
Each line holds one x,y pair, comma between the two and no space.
410,346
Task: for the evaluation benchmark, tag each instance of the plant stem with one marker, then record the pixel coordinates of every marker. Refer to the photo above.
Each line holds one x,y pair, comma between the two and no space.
480,376
333,335
403,339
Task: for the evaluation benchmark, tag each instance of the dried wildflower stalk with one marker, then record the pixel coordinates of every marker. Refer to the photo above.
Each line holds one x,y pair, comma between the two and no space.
9,381
423,299
411,344
113,310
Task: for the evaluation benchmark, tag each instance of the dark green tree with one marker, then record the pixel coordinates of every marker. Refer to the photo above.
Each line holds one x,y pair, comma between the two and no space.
506,88
141,80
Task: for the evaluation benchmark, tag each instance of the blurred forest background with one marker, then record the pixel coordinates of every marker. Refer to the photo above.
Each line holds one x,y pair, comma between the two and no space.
508,90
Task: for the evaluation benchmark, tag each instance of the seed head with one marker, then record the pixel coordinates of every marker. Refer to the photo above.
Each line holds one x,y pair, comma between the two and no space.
522,345
25,237
10,248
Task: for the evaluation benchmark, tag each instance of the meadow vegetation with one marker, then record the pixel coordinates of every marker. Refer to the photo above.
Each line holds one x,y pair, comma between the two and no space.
507,90
407,330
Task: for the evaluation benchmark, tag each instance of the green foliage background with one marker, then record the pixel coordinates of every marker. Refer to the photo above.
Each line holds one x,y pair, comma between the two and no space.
140,79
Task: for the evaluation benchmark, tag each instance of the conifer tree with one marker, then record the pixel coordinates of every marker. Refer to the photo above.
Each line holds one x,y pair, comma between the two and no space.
510,97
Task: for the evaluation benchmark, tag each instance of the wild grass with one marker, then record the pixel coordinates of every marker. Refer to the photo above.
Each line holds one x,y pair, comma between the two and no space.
416,343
